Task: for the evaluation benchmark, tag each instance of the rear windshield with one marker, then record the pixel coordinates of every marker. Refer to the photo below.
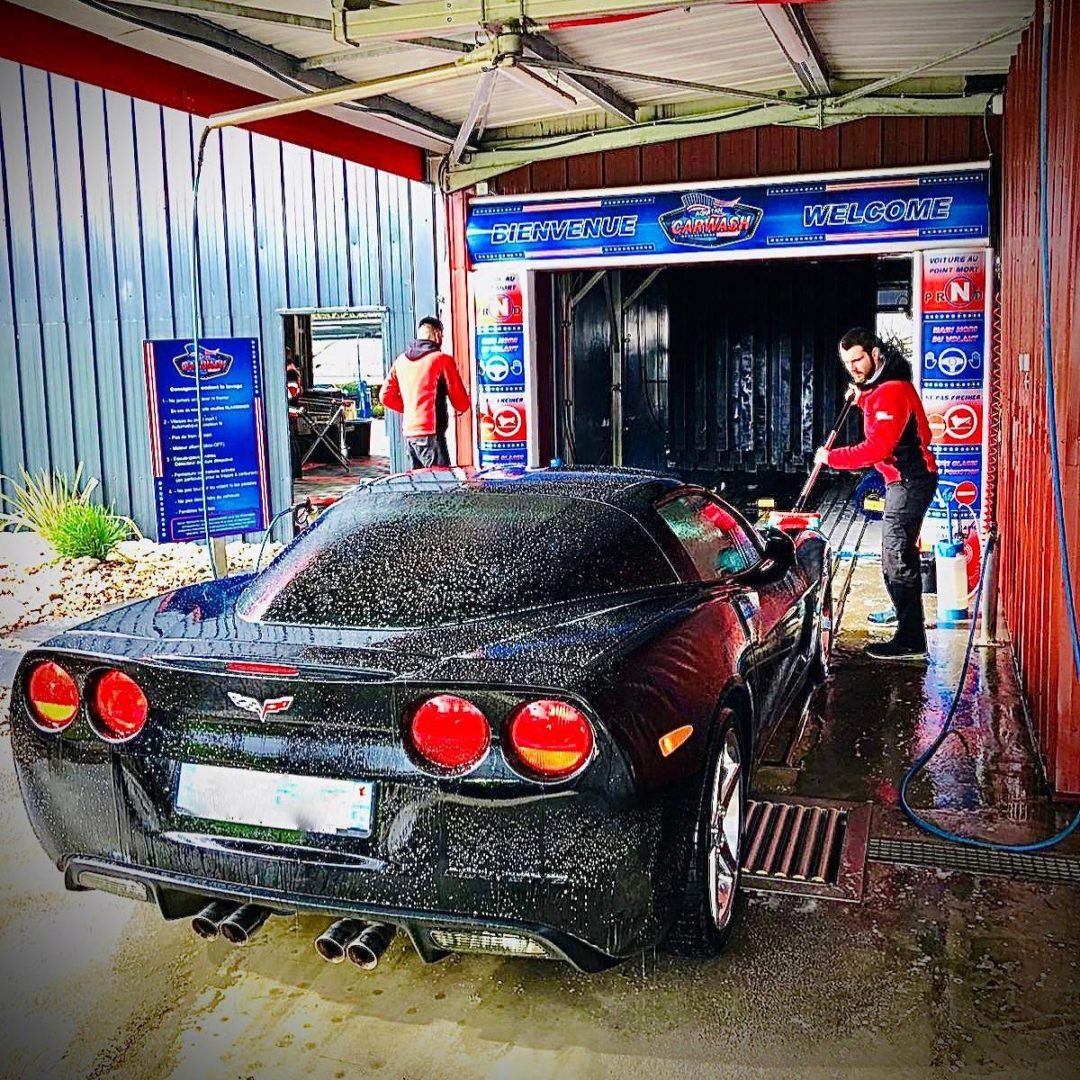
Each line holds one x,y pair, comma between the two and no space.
384,559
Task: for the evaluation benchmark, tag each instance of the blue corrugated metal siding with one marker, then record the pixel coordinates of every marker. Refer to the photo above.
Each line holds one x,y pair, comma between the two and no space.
96,214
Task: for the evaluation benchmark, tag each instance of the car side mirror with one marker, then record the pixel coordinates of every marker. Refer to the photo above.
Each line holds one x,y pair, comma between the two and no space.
778,559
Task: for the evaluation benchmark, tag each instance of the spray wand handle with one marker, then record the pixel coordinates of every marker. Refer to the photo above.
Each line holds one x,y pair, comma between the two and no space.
811,480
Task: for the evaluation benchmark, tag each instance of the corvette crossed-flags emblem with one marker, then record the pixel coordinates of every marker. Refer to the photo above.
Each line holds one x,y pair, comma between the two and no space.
262,709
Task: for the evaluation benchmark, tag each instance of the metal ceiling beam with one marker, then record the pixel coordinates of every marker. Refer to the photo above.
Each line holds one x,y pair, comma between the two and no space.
476,115
273,62
658,80
799,46
403,21
368,52
599,93
242,11
500,158
532,81
892,80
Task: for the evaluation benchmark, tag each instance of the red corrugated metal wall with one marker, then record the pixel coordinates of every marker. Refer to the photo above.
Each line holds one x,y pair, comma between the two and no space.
766,151
1032,589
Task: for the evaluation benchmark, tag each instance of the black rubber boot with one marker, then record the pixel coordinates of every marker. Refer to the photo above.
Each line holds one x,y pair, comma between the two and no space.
896,649
909,641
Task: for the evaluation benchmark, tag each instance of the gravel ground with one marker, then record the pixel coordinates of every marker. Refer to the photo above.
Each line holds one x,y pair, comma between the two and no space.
36,586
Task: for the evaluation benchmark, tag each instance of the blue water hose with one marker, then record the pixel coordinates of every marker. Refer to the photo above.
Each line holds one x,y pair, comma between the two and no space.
305,505
946,728
922,823
1051,403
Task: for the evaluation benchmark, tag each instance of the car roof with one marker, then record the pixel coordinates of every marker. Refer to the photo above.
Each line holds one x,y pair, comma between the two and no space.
632,490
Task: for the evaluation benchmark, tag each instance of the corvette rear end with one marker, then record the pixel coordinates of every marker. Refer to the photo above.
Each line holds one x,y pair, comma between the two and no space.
307,774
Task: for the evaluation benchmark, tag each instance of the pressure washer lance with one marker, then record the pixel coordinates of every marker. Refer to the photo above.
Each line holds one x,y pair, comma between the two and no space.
798,518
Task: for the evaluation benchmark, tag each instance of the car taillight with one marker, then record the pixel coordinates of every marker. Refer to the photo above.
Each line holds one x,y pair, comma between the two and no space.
119,708
53,696
550,738
449,732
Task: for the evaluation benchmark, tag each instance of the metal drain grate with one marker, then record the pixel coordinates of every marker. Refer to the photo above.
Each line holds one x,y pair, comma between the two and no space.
806,847
1021,866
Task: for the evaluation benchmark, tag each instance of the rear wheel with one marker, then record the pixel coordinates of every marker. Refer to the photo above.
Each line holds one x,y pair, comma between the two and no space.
712,902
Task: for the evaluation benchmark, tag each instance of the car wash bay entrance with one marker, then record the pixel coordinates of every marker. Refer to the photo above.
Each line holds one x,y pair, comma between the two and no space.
693,328
712,368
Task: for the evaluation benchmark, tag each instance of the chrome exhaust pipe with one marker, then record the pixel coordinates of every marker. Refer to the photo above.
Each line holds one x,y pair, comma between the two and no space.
365,951
337,937
243,922
208,921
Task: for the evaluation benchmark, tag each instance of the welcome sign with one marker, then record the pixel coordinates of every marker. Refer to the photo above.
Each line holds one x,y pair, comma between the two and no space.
836,214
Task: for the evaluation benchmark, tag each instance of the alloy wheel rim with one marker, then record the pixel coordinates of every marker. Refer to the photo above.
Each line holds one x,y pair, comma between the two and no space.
826,630
725,831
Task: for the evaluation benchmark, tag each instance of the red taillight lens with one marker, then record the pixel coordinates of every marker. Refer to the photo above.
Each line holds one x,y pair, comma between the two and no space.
449,732
120,707
550,738
53,696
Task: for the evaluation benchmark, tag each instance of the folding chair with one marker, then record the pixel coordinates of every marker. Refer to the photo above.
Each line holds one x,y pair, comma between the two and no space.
322,420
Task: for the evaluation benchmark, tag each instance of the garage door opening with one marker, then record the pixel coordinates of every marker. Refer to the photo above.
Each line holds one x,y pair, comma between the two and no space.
334,364
722,373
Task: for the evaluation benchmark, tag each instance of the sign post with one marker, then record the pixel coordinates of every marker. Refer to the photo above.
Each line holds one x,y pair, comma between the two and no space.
502,371
952,337
233,455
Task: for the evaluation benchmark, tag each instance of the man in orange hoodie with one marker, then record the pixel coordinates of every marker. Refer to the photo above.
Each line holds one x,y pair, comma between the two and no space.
421,381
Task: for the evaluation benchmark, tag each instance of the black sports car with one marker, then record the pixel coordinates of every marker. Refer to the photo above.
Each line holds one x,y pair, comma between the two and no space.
509,711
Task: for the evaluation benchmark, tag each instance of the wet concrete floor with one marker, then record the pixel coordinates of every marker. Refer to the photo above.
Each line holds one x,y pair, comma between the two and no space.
935,974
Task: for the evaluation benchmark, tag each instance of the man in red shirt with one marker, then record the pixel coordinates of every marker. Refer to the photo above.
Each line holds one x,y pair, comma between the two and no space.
420,382
897,443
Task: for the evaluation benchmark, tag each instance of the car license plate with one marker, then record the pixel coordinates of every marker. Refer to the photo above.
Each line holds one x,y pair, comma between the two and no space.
309,804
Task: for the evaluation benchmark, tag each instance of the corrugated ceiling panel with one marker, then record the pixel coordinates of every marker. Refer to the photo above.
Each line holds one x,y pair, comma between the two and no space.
870,38
731,46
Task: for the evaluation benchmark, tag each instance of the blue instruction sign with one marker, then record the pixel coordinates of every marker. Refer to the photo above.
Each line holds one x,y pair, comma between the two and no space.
234,454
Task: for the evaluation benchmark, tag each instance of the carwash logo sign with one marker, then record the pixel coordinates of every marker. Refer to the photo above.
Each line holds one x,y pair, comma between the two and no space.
213,363
889,210
704,221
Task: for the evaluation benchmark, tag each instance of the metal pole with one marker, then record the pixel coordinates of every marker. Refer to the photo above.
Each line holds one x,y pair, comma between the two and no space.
988,632
352,92
616,368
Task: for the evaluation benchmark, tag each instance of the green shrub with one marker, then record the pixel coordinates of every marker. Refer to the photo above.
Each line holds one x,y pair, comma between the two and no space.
61,513
88,529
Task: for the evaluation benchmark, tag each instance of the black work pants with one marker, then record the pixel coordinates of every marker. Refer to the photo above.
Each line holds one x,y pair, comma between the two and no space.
427,451
906,503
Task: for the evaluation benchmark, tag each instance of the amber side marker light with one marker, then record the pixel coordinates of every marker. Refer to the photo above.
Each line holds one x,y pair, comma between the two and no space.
53,696
671,742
